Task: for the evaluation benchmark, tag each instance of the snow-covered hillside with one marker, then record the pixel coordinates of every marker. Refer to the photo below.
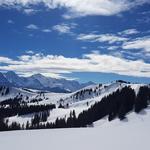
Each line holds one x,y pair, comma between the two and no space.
95,93
80,100
142,119
130,134
25,94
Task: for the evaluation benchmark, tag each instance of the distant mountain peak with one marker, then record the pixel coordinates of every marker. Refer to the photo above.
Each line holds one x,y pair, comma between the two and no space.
3,80
11,73
37,75
41,82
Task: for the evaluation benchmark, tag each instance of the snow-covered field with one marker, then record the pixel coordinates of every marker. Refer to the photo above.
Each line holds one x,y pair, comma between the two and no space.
130,134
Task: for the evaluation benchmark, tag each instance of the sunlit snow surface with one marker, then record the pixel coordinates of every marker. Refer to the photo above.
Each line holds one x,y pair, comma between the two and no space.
74,104
131,134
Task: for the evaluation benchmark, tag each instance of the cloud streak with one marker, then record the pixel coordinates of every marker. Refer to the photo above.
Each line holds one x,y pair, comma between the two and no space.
129,32
78,8
32,27
138,43
54,65
64,28
110,38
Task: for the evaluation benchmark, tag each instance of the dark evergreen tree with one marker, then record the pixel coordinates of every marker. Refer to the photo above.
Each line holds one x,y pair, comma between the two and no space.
142,98
3,125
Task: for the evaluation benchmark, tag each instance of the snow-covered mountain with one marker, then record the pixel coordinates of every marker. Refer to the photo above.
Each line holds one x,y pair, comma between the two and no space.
52,83
80,100
41,82
87,93
3,80
102,134
104,102
91,93
94,93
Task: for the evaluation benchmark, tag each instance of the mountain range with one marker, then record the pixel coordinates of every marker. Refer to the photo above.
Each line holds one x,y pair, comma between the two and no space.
40,82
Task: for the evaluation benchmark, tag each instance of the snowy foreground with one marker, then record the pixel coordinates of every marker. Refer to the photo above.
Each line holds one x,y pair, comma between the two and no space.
130,134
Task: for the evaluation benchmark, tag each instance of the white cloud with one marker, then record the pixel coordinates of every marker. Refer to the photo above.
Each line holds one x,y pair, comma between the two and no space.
139,43
76,8
117,54
113,47
93,62
6,60
29,11
46,30
31,35
110,38
10,21
35,27
129,32
29,52
64,28
83,47
145,12
32,27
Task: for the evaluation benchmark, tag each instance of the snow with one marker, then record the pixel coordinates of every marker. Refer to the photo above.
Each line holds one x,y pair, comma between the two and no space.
132,118
20,119
38,81
15,92
132,134
136,87
74,104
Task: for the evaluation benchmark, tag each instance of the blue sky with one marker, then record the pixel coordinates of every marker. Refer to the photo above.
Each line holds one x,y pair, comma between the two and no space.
87,40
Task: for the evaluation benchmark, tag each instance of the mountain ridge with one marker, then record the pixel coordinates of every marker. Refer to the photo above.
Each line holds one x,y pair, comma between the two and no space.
41,82
90,104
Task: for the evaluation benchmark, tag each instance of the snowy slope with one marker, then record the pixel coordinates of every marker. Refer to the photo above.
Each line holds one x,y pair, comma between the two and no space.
96,94
74,104
26,94
131,119
130,135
